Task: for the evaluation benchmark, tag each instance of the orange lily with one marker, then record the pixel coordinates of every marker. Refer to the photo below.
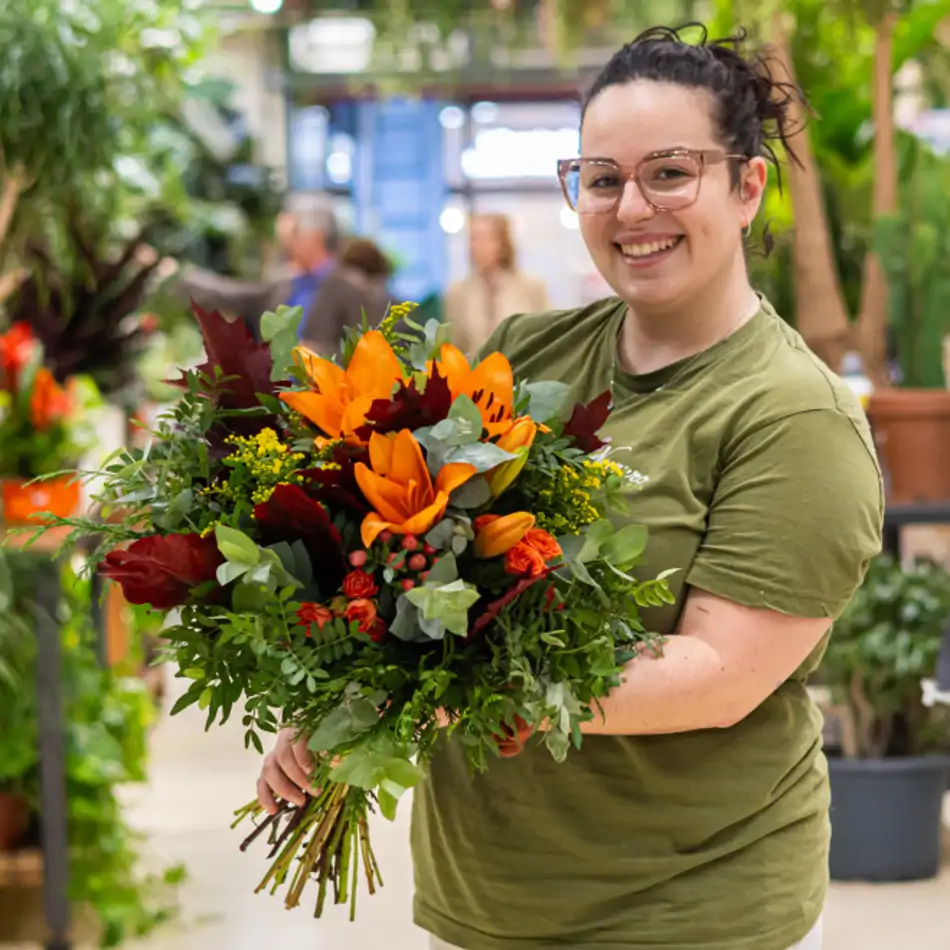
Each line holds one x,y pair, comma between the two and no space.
490,385
498,534
49,402
400,489
517,440
340,398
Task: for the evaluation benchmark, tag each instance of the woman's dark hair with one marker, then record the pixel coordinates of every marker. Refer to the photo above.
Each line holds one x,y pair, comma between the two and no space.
753,107
365,256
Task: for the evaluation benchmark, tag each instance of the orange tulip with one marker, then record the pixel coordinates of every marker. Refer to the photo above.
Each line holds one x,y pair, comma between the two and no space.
340,398
497,534
490,385
400,489
49,402
517,440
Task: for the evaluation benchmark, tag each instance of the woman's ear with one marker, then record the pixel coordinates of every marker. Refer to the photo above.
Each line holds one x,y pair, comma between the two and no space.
755,176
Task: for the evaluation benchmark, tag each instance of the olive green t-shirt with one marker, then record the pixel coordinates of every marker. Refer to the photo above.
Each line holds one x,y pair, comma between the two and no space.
763,488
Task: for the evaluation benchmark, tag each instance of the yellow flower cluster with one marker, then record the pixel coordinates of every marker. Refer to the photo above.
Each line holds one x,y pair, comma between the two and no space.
567,505
397,312
260,463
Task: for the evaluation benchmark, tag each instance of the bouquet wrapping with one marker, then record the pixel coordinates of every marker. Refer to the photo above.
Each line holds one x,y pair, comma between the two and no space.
382,552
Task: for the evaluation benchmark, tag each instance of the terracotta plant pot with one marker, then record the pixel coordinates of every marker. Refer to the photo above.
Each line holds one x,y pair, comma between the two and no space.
912,432
14,820
21,500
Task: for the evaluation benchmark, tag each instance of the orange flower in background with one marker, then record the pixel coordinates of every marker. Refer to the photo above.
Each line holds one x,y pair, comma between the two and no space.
497,534
490,385
400,489
16,347
340,398
49,402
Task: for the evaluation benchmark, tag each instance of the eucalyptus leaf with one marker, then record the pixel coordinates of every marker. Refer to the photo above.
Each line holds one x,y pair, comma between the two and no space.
547,399
472,494
236,546
484,456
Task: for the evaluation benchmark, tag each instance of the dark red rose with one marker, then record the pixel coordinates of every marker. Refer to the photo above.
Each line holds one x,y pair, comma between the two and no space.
359,584
379,631
162,570
363,612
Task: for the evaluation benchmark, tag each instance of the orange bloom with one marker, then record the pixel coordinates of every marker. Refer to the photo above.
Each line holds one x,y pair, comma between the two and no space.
496,534
517,440
543,543
340,398
16,347
49,402
490,385
524,561
400,489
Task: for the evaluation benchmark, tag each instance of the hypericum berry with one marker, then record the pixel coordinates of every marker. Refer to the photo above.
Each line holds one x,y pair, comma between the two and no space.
358,558
417,562
407,583
395,556
428,549
410,542
386,537
424,575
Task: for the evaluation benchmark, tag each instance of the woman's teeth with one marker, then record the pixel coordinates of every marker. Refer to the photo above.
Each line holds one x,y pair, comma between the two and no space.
645,250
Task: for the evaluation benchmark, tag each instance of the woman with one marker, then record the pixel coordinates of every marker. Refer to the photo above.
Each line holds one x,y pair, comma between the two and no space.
356,286
474,307
696,815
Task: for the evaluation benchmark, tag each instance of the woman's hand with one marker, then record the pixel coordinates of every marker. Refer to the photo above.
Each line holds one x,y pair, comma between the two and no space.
286,772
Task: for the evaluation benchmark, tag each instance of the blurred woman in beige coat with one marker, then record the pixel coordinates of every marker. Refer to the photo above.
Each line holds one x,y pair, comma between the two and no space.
494,290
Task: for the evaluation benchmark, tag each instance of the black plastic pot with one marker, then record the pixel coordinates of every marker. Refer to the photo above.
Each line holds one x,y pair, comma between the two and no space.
886,818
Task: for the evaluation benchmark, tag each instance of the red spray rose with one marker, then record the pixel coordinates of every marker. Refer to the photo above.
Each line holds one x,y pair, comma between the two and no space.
314,613
161,570
524,560
363,612
359,584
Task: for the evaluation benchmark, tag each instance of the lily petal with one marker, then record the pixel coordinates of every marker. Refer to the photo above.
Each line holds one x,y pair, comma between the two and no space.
323,411
380,453
502,534
326,376
373,526
374,367
423,521
454,367
387,498
453,475
408,463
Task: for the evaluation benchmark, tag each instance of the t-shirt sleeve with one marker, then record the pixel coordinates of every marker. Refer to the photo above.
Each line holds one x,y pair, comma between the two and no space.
795,517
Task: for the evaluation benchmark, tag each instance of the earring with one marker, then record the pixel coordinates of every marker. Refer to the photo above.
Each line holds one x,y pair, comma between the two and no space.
747,230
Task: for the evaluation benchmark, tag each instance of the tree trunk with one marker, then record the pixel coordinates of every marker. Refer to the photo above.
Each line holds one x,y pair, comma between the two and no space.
873,317
821,314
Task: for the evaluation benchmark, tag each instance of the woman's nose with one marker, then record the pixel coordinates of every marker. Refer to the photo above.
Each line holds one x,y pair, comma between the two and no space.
633,206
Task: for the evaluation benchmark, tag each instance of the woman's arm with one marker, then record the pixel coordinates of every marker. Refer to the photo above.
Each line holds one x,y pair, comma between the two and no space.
726,660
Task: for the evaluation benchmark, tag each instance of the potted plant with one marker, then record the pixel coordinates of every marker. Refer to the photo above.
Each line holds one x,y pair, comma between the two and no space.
888,782
41,431
912,420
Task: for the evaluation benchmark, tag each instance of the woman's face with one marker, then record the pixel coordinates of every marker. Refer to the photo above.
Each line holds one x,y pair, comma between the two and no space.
484,244
699,243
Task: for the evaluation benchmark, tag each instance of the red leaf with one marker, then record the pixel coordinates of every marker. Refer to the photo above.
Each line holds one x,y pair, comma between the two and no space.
409,407
587,420
162,570
291,515
495,607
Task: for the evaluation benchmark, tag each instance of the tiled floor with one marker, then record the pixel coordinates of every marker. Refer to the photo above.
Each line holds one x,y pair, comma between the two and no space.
197,779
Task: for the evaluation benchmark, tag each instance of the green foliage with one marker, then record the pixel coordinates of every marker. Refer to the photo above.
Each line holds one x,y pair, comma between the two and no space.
886,642
107,713
914,248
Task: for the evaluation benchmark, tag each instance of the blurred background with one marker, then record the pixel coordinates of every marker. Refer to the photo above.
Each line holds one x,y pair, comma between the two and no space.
336,156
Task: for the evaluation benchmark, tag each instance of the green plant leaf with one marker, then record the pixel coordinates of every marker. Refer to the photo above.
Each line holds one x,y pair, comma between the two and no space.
623,548
281,330
547,399
236,546
483,455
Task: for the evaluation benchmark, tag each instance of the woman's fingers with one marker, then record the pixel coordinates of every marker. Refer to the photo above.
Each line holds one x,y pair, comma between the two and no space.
265,797
275,777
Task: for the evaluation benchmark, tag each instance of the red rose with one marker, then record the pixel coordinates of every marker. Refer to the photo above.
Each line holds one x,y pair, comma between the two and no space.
314,613
162,570
543,543
524,561
379,631
358,584
363,612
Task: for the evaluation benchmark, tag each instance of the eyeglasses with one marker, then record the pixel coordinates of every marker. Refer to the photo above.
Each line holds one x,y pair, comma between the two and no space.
668,181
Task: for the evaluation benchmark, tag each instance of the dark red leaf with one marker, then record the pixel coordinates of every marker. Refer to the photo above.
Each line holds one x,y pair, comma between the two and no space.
161,570
495,607
337,487
586,422
291,515
409,407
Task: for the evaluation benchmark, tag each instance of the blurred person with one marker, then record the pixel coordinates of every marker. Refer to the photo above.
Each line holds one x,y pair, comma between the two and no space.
695,816
307,234
496,289
357,285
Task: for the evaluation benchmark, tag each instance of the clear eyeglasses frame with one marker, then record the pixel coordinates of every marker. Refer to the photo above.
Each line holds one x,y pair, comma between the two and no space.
668,181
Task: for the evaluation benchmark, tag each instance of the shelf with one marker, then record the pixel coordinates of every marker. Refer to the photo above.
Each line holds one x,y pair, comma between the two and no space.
21,869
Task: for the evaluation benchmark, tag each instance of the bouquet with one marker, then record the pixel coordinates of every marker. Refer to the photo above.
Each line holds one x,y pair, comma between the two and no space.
377,552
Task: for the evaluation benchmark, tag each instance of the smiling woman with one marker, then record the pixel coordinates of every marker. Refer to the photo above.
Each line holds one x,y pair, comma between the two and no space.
695,816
